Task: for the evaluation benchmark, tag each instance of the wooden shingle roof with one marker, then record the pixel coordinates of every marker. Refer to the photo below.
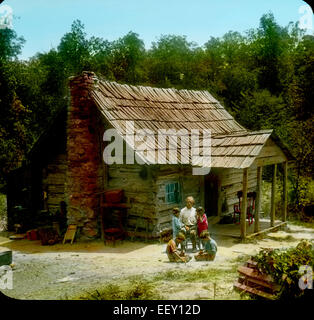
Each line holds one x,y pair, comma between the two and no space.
232,146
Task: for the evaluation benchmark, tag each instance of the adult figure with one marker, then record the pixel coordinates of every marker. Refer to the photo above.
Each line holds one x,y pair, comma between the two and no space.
188,218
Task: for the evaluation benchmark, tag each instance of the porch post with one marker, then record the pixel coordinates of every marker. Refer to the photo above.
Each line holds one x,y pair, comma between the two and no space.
244,203
258,198
273,194
219,197
285,191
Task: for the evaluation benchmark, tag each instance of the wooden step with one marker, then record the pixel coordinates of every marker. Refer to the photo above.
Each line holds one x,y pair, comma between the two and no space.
243,287
253,273
253,281
251,264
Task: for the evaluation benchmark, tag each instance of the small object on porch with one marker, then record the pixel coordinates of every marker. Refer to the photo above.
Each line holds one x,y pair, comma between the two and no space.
70,233
251,196
252,281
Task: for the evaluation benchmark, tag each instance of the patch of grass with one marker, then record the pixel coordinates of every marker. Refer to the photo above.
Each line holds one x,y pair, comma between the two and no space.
204,275
156,286
131,290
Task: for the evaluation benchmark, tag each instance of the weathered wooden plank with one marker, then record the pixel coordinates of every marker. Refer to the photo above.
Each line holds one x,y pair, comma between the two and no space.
270,148
246,288
232,189
273,195
244,203
258,199
253,273
285,191
265,161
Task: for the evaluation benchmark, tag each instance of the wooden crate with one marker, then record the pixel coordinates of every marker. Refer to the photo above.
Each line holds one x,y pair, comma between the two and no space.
252,281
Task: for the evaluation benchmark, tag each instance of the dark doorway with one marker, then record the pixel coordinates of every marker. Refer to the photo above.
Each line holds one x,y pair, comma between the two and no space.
211,194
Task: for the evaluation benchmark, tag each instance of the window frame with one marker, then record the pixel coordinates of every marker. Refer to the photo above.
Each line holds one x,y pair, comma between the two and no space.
174,195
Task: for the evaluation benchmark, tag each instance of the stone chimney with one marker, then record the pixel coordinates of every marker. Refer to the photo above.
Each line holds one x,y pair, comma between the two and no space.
83,156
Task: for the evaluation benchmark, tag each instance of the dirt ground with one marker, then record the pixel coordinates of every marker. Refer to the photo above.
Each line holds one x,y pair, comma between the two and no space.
68,271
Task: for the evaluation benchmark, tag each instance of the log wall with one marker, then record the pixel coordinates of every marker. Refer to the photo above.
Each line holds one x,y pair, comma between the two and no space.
138,186
54,179
189,186
147,196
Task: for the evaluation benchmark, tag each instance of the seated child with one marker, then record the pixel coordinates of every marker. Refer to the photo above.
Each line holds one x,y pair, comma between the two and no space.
172,251
210,248
202,224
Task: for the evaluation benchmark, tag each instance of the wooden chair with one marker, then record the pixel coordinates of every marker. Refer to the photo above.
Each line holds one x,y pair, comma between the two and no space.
251,196
113,212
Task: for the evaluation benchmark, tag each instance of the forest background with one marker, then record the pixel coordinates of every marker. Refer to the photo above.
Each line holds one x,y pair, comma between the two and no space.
264,77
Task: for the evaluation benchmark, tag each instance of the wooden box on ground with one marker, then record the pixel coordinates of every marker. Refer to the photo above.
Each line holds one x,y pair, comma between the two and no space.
5,256
253,282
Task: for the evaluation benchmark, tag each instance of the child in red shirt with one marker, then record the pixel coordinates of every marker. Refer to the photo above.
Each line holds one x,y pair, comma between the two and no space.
202,223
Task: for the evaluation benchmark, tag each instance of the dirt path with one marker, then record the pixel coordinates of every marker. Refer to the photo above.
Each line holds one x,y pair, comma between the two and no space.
66,271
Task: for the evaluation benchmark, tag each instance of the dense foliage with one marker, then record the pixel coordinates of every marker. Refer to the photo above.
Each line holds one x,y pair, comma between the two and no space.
264,78
284,267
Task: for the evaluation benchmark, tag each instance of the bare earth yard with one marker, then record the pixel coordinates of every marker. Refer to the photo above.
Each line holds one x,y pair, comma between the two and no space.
70,271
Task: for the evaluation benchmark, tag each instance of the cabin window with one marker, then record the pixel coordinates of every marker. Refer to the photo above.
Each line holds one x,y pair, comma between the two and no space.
172,192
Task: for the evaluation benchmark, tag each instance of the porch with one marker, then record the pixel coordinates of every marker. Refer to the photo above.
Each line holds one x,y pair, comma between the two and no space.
233,230
257,226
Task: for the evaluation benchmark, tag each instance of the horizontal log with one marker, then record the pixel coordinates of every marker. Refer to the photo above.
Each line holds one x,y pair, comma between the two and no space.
261,284
243,287
253,273
278,226
227,181
234,188
165,219
143,234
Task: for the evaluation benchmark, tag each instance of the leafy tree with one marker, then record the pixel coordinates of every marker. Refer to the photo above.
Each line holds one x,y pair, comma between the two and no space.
264,78
13,115
74,49
127,55
10,44
268,44
169,60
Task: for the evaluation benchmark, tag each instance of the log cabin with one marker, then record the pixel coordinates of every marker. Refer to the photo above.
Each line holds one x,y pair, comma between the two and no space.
66,165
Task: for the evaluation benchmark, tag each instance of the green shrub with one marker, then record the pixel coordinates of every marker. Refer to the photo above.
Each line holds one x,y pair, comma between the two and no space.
284,265
133,290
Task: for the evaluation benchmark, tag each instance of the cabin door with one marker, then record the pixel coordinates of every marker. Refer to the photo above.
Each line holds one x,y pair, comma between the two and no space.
211,194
